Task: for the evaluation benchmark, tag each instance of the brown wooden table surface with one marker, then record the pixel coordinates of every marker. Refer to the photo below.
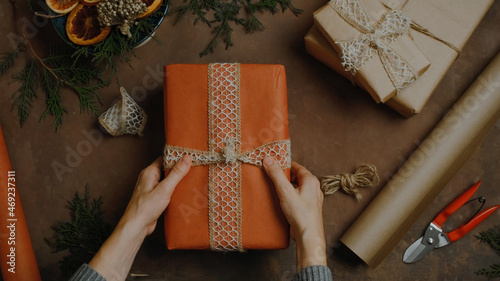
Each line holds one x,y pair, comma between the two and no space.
334,127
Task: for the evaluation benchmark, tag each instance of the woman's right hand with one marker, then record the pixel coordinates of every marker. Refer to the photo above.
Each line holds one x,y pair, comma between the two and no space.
302,206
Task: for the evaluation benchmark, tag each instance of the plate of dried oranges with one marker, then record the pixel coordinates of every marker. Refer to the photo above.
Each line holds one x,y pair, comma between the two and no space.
89,22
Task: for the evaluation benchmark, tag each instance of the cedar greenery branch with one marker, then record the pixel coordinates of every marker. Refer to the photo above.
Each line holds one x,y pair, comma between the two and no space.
8,59
491,237
224,14
49,75
83,235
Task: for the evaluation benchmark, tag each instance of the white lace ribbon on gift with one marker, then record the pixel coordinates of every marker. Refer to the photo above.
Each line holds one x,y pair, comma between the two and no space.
375,39
224,156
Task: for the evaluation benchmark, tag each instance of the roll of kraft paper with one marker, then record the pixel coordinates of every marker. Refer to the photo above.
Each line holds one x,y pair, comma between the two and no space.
397,207
17,258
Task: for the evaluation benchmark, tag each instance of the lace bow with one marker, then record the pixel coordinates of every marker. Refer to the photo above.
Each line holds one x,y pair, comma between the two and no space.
228,155
375,40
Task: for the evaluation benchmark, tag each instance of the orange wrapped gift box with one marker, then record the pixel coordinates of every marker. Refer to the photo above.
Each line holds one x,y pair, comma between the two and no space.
228,118
17,258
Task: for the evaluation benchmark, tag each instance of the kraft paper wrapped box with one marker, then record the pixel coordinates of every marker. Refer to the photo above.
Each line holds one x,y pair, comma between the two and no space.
451,22
228,118
374,43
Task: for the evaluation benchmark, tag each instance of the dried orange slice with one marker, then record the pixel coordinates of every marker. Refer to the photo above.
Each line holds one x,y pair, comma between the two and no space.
61,6
152,6
90,2
83,27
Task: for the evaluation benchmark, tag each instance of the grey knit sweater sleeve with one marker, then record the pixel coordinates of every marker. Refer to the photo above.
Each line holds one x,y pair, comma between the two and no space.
311,273
314,273
86,273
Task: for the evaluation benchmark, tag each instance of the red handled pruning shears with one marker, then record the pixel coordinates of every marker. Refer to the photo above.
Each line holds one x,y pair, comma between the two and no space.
434,236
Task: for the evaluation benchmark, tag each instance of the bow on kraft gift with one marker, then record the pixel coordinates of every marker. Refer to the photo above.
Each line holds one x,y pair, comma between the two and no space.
375,39
225,158
358,37
369,37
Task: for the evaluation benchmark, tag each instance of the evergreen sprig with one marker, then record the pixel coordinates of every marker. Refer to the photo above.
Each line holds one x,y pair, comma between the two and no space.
227,13
491,237
7,60
83,235
24,96
52,73
53,98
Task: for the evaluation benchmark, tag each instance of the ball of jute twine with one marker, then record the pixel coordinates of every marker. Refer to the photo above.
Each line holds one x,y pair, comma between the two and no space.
365,176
